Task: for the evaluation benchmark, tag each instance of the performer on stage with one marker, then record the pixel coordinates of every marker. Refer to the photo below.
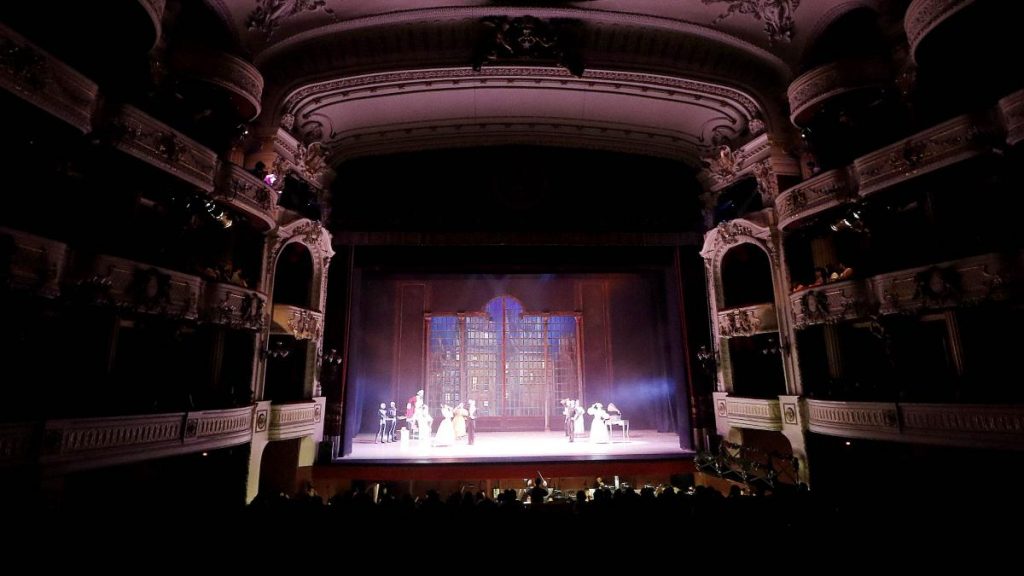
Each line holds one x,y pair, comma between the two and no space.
391,422
445,430
459,421
424,422
411,409
598,428
471,422
382,430
571,410
577,424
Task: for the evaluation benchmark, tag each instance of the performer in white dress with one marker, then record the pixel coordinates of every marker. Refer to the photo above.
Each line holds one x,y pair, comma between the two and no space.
598,428
424,422
445,430
577,420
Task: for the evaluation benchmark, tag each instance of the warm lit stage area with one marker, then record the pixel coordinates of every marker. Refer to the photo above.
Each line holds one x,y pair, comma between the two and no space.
519,446
507,460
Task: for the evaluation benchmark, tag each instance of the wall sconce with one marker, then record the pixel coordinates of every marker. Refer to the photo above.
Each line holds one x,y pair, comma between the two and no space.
331,358
276,350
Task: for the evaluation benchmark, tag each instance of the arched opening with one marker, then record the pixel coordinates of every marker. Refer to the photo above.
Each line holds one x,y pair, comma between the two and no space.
293,278
746,277
288,356
755,357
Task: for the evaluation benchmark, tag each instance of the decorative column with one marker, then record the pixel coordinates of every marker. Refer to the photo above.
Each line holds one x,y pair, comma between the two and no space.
794,427
265,284
787,332
823,255
718,352
260,439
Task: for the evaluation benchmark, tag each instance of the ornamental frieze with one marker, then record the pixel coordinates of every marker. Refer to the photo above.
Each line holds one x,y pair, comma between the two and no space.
813,308
922,16
268,15
767,182
966,282
738,323
731,231
137,287
234,306
812,196
304,324
41,80
300,323
137,134
956,140
246,193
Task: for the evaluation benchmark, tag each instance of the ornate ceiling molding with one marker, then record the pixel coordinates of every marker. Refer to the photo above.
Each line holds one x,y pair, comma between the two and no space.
268,15
228,72
777,15
538,133
595,80
728,111
726,165
923,16
588,15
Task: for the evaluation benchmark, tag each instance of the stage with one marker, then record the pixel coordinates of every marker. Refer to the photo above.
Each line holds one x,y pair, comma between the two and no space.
495,447
505,459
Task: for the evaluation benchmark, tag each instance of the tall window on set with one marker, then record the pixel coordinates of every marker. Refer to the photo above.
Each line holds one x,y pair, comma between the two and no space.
517,365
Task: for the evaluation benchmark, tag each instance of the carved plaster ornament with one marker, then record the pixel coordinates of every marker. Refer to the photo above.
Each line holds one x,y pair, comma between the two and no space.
777,15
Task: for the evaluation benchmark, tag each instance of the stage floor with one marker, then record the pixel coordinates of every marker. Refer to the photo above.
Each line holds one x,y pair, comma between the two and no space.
518,446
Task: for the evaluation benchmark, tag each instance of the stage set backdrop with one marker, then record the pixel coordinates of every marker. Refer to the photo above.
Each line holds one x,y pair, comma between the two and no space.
518,344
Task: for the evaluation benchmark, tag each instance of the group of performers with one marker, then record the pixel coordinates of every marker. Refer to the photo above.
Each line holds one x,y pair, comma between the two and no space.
459,421
574,426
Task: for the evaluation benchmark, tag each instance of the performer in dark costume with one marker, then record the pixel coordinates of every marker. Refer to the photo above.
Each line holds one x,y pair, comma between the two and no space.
390,422
471,422
571,410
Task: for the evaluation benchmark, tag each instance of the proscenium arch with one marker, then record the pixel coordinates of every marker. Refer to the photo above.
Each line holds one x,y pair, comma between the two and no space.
680,39
629,112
